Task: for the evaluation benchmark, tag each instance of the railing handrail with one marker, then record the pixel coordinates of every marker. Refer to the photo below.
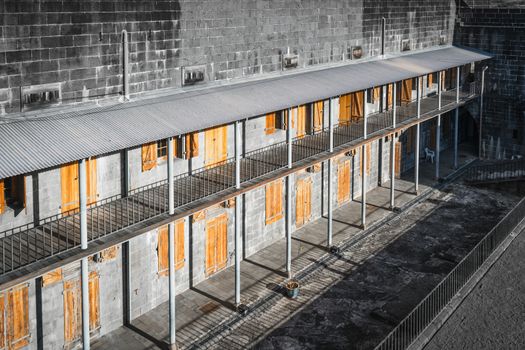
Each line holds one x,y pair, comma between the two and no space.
496,170
516,213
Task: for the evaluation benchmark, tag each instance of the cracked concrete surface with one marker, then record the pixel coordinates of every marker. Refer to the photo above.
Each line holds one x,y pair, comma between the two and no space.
355,301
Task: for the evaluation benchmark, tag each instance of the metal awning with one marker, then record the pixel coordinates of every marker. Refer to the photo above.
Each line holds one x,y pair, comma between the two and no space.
39,142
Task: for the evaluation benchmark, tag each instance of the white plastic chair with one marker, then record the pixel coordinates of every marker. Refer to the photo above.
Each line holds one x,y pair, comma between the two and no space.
429,155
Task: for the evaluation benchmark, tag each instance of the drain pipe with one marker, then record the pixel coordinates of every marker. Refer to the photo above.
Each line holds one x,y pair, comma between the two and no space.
125,64
383,29
481,108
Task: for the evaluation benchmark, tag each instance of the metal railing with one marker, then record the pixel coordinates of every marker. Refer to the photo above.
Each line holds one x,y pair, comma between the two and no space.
425,312
29,243
496,171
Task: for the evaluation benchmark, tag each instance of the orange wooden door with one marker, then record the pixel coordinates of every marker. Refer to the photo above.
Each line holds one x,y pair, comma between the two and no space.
70,186
18,317
216,244
397,167
318,116
344,109
215,145
303,203
301,121
343,182
406,91
72,311
358,110
390,95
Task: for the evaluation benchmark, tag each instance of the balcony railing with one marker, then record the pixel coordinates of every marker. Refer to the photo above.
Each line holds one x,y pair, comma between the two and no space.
29,243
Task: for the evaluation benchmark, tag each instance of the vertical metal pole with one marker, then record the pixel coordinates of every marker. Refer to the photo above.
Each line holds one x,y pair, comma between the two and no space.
125,63
237,214
456,121
481,109
393,150
289,197
330,171
418,126
383,30
84,268
171,247
364,186
438,127
126,266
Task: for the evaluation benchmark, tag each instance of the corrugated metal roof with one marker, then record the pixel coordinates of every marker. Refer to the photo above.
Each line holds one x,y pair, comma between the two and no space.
42,142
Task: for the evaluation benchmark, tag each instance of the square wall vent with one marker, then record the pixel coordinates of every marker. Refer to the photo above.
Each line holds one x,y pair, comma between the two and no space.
38,96
290,61
355,52
192,75
405,45
442,40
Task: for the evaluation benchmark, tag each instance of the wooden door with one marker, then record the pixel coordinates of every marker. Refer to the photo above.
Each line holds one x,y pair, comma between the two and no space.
344,109
215,144
406,91
70,186
303,199
73,307
343,182
358,110
397,162
17,317
216,244
318,116
300,112
390,96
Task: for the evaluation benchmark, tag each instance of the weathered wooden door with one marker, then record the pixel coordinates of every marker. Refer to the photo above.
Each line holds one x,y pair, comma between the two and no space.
73,307
406,91
301,121
70,187
397,167
318,114
344,109
343,182
303,202
358,110
17,330
216,244
215,144
390,96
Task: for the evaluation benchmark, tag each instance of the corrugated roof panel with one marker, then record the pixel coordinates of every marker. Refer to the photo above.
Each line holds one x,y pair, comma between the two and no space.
41,142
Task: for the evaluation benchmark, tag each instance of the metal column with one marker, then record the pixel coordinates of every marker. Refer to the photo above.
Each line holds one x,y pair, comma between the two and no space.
456,121
289,196
171,247
364,186
438,127
84,269
482,92
237,214
418,126
330,171
393,149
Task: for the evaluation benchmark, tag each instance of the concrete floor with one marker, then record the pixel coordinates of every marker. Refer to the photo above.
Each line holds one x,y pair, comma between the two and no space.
205,311
499,296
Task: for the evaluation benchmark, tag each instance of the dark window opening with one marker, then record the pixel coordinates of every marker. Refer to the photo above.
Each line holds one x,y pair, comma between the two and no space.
162,149
15,193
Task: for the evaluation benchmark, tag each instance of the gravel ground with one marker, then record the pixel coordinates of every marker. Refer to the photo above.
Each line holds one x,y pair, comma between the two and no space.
493,315
355,302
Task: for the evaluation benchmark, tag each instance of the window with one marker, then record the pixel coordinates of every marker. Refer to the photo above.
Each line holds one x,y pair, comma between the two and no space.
274,202
12,193
162,149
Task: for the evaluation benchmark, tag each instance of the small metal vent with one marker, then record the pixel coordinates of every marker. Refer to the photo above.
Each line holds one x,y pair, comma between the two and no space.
356,52
442,40
193,75
290,61
37,96
405,45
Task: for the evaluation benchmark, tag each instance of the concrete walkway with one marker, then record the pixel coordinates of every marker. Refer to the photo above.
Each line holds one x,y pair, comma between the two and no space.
208,306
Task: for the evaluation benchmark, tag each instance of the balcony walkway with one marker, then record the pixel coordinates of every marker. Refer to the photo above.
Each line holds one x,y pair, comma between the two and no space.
24,245
205,309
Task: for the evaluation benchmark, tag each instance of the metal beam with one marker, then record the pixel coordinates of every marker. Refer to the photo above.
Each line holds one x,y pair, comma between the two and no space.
456,120
393,150
438,127
364,186
84,268
171,248
237,214
330,170
289,137
289,196
416,153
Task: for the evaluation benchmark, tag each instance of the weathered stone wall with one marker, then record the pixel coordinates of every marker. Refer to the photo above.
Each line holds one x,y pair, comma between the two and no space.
499,28
75,46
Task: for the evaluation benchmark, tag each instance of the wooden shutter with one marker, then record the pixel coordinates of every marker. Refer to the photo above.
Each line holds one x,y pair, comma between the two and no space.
2,196
344,109
192,145
162,251
179,244
376,94
94,300
301,121
149,156
72,311
216,244
358,105
430,80
443,80
69,186
318,116
52,277
274,206
91,174
216,145
222,241
18,317
343,182
397,168
406,91
303,202
177,148
270,123
390,95
211,244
